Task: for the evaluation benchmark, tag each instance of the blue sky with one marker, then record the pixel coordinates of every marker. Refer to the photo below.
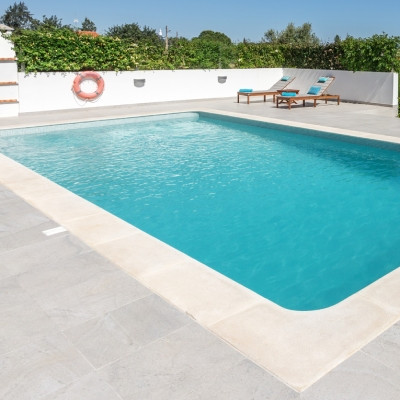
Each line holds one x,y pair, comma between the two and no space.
238,19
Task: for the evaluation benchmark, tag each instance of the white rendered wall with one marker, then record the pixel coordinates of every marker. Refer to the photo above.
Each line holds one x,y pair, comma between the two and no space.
6,47
53,91
359,87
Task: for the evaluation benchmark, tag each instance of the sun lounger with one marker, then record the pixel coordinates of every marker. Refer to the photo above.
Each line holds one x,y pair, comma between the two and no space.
272,91
316,92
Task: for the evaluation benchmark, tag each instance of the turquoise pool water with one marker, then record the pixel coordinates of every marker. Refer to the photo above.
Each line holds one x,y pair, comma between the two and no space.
303,220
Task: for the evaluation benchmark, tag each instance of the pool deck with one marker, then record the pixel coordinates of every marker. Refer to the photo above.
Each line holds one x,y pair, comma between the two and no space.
93,308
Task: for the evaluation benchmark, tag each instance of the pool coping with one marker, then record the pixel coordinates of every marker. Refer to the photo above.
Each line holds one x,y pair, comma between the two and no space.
298,347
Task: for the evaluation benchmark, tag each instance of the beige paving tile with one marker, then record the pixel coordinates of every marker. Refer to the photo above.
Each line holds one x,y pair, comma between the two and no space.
98,228
14,172
300,347
200,291
62,205
385,291
140,253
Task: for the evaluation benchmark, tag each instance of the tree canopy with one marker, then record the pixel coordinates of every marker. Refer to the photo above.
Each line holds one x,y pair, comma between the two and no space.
301,35
18,17
133,33
49,23
88,25
212,36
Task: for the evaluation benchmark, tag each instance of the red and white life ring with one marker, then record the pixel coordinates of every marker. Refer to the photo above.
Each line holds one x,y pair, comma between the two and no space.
94,76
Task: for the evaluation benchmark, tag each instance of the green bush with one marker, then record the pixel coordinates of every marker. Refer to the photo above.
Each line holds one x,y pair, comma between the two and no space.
65,50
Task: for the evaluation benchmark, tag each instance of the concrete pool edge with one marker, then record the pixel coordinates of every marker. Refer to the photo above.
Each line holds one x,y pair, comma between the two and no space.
297,347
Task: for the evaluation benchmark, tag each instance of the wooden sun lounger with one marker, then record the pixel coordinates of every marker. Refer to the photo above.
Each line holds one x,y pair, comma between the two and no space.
272,91
322,96
264,93
290,100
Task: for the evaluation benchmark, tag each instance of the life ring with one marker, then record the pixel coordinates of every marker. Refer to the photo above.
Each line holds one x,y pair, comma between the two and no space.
94,76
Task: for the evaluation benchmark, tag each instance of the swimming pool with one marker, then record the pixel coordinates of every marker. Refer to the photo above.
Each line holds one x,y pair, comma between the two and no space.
303,220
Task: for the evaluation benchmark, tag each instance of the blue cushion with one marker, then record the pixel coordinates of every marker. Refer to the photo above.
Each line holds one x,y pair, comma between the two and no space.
322,79
314,90
285,78
245,90
290,94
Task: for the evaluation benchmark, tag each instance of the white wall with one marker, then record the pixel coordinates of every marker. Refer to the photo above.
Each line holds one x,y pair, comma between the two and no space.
6,47
360,87
53,91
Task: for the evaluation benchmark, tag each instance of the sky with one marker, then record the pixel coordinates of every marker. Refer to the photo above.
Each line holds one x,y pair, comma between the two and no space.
238,19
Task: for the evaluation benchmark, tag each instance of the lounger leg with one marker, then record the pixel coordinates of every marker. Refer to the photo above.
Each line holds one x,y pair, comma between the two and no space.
290,104
265,98
248,99
304,103
238,98
315,102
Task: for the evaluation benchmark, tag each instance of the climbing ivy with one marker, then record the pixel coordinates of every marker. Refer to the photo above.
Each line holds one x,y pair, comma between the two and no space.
65,50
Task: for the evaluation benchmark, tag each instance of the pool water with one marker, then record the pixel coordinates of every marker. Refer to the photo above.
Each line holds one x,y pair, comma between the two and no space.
303,220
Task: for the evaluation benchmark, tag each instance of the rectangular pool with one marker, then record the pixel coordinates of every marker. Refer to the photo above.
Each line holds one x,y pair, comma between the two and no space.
303,218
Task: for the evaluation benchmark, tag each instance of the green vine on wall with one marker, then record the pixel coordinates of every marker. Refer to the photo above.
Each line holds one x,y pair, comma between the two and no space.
64,50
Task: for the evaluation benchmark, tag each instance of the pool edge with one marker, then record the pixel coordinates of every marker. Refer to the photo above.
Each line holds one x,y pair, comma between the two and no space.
301,346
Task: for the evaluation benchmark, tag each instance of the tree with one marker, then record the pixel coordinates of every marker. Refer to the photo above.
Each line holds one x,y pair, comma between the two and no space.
49,23
212,36
301,35
18,16
130,32
150,36
133,33
88,25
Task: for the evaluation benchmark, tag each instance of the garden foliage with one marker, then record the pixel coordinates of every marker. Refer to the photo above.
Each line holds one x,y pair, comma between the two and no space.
65,50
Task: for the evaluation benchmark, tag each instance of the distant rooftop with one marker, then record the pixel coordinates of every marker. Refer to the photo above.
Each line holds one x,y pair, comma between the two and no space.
5,28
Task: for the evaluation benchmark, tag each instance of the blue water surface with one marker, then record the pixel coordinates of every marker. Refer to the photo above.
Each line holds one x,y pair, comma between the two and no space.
303,220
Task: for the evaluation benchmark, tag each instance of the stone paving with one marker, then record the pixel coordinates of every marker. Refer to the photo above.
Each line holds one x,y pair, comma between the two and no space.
75,326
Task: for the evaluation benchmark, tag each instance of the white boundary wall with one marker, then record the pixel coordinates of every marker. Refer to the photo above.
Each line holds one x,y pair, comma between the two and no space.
53,91
6,47
359,87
